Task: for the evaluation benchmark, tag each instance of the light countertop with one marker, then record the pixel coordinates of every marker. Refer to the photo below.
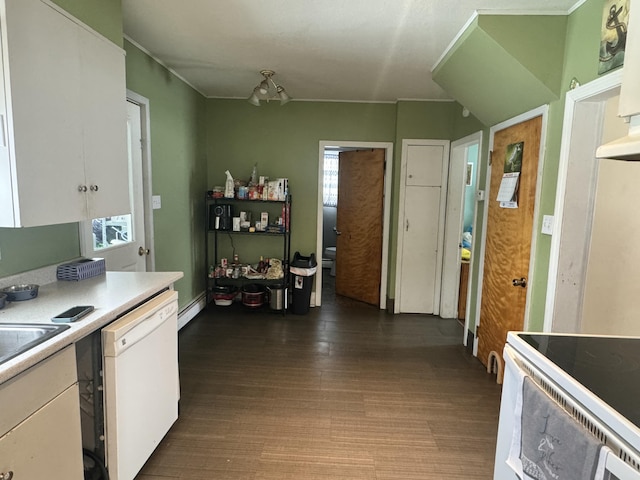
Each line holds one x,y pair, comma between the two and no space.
112,294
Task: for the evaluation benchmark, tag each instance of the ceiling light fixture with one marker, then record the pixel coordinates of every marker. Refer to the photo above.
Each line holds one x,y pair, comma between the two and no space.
268,90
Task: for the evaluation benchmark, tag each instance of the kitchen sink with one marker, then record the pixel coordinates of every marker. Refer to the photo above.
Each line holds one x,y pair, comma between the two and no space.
17,338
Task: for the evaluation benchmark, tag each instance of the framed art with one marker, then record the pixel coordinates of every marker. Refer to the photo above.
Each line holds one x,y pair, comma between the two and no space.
613,34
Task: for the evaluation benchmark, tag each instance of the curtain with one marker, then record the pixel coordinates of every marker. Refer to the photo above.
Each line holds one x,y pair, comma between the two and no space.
330,183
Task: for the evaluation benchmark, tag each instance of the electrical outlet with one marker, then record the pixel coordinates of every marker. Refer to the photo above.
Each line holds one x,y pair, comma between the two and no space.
547,224
156,202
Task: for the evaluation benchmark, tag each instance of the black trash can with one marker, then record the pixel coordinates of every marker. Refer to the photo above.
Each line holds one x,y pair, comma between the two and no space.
302,271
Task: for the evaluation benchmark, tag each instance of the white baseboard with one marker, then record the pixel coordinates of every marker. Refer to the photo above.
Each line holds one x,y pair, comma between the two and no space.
190,311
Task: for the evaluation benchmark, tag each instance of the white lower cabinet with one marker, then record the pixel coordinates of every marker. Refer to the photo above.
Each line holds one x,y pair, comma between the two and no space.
47,444
40,422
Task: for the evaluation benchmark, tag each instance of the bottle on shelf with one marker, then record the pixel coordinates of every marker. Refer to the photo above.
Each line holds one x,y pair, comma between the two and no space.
261,265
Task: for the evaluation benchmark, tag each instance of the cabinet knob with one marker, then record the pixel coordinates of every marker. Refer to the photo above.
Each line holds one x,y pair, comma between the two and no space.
93,188
81,188
6,476
141,251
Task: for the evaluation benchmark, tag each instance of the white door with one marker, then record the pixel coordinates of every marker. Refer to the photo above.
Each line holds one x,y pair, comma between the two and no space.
120,240
421,228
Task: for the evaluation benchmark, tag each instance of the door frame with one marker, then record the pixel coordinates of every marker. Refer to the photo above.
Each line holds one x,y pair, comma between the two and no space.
581,133
316,297
454,220
445,144
147,183
535,230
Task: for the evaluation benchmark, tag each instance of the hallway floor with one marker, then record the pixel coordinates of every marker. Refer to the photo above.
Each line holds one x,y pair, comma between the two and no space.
344,392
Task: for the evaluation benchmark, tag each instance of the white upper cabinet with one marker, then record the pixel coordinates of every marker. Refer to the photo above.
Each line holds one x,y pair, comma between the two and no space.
630,92
63,150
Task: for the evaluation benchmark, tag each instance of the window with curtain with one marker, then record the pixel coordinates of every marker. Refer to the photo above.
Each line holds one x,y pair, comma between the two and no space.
330,183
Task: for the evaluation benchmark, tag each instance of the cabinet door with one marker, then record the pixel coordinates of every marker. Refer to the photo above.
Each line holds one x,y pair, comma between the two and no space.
41,71
104,119
48,443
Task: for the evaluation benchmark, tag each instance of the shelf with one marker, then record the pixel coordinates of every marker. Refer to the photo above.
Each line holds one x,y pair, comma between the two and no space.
244,200
241,232
214,238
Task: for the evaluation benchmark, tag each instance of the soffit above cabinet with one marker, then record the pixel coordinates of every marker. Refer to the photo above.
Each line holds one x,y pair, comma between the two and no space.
503,65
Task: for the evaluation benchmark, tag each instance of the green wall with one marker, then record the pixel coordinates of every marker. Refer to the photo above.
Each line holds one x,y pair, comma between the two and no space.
179,168
104,16
284,142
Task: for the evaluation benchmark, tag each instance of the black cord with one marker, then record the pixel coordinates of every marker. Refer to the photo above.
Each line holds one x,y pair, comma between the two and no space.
233,247
104,475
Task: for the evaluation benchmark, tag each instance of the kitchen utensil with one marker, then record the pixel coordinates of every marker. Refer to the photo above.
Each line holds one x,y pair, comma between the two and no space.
17,293
253,295
223,295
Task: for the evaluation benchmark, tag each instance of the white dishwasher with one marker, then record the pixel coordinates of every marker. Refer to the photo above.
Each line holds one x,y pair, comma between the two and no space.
141,383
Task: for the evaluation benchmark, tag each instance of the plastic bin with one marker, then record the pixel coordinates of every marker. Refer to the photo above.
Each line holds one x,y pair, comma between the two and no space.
302,271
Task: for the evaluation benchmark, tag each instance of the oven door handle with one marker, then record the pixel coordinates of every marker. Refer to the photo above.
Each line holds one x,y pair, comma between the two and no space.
620,469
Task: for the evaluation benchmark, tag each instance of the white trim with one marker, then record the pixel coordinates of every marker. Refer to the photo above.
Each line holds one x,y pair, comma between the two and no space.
147,183
536,112
189,312
465,143
576,6
388,180
446,144
455,39
584,93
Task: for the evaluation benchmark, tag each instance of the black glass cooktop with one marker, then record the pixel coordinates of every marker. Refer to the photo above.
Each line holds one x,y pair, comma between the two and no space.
608,367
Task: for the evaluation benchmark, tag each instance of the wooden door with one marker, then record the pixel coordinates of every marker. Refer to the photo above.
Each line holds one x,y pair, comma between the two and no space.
359,225
508,242
420,253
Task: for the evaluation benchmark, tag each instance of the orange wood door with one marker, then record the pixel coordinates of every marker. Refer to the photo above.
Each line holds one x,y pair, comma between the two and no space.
359,225
508,241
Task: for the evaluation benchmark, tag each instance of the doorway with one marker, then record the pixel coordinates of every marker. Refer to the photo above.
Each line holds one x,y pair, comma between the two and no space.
126,241
329,146
460,227
585,114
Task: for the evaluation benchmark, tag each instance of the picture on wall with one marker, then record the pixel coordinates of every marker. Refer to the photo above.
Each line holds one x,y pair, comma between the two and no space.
613,36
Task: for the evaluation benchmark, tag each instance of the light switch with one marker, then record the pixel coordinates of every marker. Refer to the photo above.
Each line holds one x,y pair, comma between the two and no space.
547,224
156,202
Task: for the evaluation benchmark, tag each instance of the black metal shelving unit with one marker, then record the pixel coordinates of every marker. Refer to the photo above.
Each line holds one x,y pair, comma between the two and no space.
212,237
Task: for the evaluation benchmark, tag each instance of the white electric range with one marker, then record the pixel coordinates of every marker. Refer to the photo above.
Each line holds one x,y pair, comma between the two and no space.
595,379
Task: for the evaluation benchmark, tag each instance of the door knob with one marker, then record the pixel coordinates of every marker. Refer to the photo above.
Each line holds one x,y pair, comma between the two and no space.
143,251
522,282
93,188
81,188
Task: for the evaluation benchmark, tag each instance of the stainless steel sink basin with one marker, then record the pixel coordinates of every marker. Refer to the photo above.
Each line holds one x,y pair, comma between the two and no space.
17,338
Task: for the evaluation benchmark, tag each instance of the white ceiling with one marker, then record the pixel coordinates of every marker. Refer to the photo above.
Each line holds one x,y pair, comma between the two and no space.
347,50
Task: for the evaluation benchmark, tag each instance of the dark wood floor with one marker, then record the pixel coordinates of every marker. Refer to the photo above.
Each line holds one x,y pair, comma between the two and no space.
343,392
